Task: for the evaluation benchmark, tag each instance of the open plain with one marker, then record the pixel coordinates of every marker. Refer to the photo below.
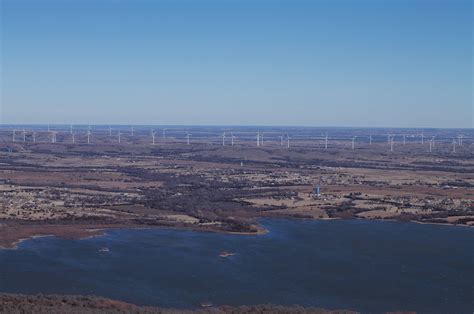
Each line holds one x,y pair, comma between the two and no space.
62,183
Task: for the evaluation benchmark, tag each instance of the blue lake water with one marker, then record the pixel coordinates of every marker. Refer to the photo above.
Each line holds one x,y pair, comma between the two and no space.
368,266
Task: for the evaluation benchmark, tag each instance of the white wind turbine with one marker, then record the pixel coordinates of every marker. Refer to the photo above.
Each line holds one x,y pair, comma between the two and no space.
391,143
431,144
370,139
70,129
110,131
34,137
258,139
223,139
287,140
53,137
188,135
89,137
422,138
24,135
326,142
353,142
133,131
14,136
404,139
119,136
232,137
153,135
454,145
73,138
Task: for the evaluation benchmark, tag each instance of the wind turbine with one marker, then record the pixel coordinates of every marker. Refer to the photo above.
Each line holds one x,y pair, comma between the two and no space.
431,144
433,140
391,143
232,137
89,137
454,145
404,139
34,137
287,140
370,139
73,138
281,140
422,138
353,142
189,134
14,136
223,139
24,135
119,136
70,129
258,139
133,130
53,137
326,142
153,134
110,131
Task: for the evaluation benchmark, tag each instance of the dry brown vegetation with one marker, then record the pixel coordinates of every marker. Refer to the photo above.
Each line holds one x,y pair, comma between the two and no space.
52,304
75,190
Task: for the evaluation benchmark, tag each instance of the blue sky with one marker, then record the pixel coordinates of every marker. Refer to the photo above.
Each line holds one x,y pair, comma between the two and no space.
313,63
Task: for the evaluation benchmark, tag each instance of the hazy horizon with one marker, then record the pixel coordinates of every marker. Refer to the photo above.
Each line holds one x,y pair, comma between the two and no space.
391,64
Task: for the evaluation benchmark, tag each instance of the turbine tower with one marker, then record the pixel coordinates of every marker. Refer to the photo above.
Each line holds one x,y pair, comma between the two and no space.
404,139
73,138
14,136
281,140
353,142
232,137
89,137
153,135
370,139
287,141
258,139
24,135
454,145
119,136
189,134
391,144
326,142
110,131
223,139
431,144
34,137
422,138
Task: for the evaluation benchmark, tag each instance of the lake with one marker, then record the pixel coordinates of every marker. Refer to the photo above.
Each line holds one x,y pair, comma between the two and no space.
370,266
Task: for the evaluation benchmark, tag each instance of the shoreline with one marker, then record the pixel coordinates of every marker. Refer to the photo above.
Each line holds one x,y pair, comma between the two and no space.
81,232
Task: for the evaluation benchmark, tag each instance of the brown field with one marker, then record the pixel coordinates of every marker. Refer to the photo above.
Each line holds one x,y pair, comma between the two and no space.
77,190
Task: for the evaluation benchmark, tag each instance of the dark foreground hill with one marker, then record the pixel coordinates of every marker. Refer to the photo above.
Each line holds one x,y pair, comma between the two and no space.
12,303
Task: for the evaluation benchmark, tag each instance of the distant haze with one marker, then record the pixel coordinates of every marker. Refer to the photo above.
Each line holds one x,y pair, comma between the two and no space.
304,63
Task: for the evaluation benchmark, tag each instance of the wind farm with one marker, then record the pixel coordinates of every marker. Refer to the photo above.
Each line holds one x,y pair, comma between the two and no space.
70,179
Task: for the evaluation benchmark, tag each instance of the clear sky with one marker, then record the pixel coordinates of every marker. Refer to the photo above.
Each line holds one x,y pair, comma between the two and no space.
313,63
